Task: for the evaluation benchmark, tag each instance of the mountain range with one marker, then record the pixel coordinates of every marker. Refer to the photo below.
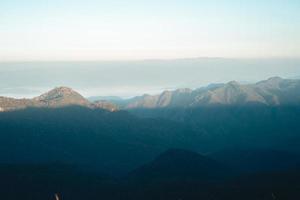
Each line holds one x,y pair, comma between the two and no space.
272,92
225,142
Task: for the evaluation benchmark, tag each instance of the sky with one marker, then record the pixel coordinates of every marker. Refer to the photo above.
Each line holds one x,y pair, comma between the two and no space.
131,47
92,30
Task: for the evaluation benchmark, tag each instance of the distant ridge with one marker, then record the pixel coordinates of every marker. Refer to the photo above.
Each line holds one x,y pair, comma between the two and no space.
271,92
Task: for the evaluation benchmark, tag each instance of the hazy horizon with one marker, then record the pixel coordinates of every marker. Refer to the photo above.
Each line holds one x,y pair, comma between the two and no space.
133,78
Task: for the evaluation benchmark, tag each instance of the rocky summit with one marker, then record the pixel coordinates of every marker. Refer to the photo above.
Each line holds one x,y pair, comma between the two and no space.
61,96
57,97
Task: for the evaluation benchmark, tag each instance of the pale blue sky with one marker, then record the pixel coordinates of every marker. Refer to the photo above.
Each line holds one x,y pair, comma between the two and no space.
137,29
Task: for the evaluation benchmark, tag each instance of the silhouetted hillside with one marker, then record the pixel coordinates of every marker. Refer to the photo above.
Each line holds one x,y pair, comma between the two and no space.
180,174
257,160
35,182
102,140
180,165
97,148
222,127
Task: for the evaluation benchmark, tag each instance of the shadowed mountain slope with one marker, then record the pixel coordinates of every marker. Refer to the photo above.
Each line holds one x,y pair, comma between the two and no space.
257,160
180,165
103,140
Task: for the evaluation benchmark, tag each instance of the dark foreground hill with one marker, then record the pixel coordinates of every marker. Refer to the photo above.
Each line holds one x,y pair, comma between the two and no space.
180,165
110,141
43,181
96,149
257,160
34,182
223,127
117,142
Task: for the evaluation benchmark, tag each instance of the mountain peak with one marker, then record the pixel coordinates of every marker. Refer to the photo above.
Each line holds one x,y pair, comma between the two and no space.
233,83
62,96
272,83
62,90
274,80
